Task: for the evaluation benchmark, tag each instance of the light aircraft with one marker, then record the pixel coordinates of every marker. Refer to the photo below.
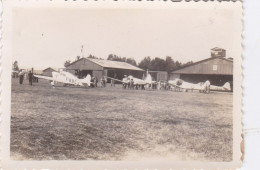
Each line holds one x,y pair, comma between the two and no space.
180,84
225,87
67,79
136,81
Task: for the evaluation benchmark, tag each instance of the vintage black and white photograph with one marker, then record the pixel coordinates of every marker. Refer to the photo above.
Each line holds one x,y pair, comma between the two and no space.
125,84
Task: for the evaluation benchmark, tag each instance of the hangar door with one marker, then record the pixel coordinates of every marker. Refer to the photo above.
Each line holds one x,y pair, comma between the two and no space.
83,73
98,74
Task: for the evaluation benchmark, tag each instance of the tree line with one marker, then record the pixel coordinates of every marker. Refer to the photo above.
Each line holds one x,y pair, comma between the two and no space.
155,64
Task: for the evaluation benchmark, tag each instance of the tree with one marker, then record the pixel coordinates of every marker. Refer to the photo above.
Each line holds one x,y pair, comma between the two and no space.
77,58
66,63
15,69
145,63
158,64
188,63
177,64
15,66
114,57
131,61
169,64
110,57
92,56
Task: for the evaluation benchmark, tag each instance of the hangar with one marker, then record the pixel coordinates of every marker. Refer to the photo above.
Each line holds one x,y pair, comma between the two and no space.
218,70
99,68
48,71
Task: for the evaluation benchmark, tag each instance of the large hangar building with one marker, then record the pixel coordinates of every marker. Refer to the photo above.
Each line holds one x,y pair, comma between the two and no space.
99,68
218,70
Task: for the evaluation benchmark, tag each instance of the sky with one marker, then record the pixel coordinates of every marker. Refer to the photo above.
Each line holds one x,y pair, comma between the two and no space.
48,37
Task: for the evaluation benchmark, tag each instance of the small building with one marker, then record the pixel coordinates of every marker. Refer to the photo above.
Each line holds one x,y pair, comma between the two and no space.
218,70
37,72
159,75
98,68
48,72
218,52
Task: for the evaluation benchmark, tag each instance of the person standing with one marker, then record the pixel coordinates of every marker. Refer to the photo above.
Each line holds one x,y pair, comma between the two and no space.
105,81
30,76
124,80
115,77
21,76
102,82
96,81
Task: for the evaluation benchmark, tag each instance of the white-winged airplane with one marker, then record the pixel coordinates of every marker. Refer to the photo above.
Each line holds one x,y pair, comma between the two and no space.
147,81
225,87
180,84
67,79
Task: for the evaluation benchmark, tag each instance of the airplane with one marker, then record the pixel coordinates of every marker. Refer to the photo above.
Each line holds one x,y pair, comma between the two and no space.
67,79
180,84
136,81
225,87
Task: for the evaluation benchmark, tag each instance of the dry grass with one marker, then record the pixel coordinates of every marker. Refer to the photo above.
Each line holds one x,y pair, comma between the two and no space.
115,124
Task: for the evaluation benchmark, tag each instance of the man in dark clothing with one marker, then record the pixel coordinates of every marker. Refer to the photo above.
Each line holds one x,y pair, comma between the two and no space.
21,77
93,81
30,76
96,81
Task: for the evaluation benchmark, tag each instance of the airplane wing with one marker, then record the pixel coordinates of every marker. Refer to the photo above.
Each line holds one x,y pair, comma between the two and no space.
115,79
174,84
55,80
44,77
184,86
177,86
153,82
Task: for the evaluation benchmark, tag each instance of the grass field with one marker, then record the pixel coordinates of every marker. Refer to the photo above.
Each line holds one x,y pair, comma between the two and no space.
69,123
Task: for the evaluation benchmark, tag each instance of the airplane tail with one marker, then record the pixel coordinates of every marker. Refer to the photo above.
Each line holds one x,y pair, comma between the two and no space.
87,80
226,86
148,78
206,86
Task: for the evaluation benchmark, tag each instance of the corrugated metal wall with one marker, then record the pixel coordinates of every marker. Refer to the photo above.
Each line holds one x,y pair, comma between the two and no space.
159,75
98,74
84,64
48,72
162,76
215,66
174,76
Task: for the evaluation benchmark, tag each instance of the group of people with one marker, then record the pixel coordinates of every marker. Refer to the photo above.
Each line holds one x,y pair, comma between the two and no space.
163,85
129,82
103,81
23,75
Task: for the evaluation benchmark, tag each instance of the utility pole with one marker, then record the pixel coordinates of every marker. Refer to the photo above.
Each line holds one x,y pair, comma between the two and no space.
82,50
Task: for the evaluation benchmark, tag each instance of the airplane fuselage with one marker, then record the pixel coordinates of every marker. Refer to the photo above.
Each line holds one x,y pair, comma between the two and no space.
67,79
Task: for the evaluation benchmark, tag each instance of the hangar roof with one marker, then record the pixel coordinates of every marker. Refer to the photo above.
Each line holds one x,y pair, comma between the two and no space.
114,64
49,69
95,64
213,65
